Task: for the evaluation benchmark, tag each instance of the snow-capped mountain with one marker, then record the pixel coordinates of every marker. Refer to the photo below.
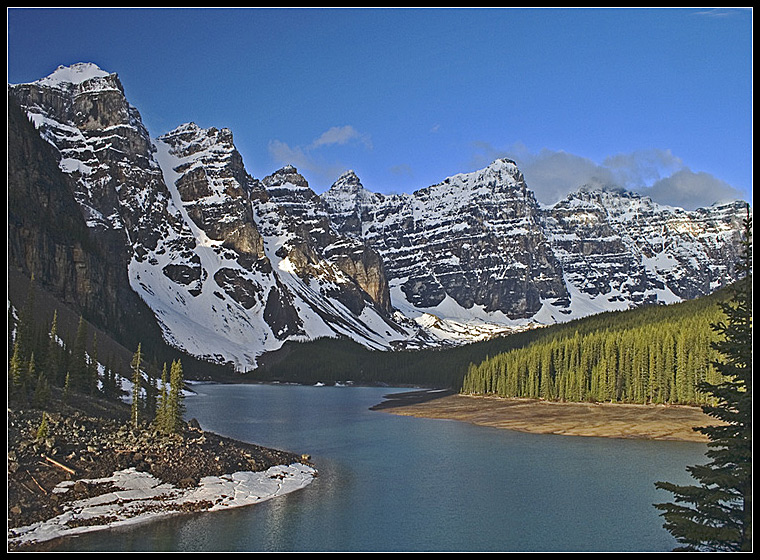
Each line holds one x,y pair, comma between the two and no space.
468,250
477,250
619,250
233,266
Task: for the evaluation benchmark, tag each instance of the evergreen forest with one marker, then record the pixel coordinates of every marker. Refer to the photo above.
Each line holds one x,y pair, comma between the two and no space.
654,354
45,372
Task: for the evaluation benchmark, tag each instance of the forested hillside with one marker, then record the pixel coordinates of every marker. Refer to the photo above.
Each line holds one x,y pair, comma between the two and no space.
650,354
655,354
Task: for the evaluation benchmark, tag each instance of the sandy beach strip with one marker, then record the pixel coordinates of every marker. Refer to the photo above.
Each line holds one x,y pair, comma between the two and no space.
612,420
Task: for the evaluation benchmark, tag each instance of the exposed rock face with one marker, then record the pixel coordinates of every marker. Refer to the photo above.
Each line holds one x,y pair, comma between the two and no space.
620,248
474,238
480,242
103,146
231,266
312,243
266,265
49,238
214,188
351,206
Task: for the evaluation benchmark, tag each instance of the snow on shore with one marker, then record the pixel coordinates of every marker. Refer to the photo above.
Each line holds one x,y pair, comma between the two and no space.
135,497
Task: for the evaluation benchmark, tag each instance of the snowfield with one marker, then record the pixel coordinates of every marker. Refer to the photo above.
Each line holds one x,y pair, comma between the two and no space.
137,497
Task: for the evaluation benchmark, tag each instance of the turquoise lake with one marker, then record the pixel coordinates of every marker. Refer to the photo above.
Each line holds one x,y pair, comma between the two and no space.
393,483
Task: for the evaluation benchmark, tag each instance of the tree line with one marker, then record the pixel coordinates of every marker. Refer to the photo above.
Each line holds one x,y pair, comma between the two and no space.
656,355
43,367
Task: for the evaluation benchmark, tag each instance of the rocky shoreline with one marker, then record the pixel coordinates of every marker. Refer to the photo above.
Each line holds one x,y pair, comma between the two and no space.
82,452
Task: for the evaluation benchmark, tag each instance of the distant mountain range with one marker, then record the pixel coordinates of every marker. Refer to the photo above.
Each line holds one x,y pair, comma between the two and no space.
175,232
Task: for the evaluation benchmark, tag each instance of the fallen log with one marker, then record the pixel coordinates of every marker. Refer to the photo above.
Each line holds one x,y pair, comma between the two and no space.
59,465
37,483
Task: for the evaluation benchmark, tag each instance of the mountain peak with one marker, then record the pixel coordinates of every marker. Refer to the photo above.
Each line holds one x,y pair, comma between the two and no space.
501,163
287,175
348,182
599,189
348,175
501,176
233,266
74,74
192,133
504,167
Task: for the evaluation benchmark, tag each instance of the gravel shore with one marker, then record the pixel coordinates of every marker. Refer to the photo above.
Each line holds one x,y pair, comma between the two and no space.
656,422
79,457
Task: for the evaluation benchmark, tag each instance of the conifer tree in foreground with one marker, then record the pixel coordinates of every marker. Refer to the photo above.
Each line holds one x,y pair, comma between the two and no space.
716,514
136,376
15,372
170,409
175,408
53,359
43,431
79,369
162,405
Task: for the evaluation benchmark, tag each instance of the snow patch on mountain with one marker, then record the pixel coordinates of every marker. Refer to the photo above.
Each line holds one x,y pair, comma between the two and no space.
206,323
460,253
233,266
74,74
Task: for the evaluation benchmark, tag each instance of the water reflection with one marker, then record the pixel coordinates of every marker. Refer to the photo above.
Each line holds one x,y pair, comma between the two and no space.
390,483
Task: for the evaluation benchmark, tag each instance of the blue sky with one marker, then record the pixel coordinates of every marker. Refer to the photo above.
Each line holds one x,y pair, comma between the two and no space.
656,100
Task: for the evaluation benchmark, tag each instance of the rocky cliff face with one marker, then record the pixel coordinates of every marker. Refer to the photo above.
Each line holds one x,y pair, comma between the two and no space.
620,250
477,247
232,266
265,265
49,237
311,243
475,239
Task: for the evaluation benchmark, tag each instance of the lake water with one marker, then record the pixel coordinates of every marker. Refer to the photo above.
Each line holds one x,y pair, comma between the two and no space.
393,483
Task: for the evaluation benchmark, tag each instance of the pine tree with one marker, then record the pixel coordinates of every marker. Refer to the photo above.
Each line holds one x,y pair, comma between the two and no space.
25,324
151,392
66,388
109,380
162,405
716,514
175,408
136,376
41,391
15,372
78,367
28,376
43,431
53,361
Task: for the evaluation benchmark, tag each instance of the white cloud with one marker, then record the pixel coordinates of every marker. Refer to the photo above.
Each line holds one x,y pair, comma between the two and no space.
310,159
642,167
552,174
658,174
690,190
341,135
283,153
402,170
